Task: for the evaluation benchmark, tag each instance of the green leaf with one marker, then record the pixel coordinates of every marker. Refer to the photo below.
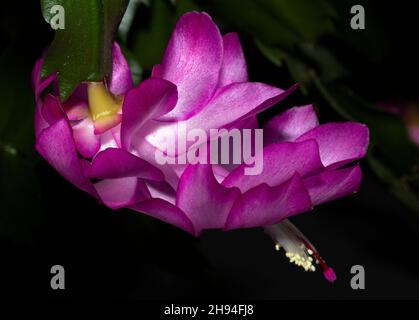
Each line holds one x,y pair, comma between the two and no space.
82,51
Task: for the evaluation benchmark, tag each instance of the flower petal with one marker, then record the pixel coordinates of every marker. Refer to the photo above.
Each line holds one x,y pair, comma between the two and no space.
51,109
203,199
87,142
118,163
166,212
339,143
264,205
234,68
151,99
290,124
122,192
231,105
280,162
40,84
192,62
331,185
76,109
161,190
39,122
121,80
57,146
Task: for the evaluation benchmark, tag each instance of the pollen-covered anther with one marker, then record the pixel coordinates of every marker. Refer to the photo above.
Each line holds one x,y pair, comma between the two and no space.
305,262
298,249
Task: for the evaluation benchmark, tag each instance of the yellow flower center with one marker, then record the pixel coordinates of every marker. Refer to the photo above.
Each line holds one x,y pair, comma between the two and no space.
104,107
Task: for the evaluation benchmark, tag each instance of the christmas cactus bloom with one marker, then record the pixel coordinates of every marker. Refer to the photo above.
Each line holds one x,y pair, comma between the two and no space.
104,139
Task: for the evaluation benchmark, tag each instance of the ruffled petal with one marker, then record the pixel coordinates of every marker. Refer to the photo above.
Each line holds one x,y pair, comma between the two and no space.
57,146
234,68
87,142
40,84
151,99
118,163
121,80
76,109
146,151
264,205
122,192
166,212
231,105
161,190
331,185
192,62
248,123
203,199
51,109
290,124
39,122
279,163
339,143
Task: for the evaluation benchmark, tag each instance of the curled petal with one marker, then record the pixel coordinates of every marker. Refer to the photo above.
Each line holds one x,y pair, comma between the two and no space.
264,205
57,146
203,199
51,109
40,123
331,185
290,124
118,163
161,190
39,84
231,105
339,143
121,80
280,162
76,109
122,192
166,212
234,68
87,142
192,62
151,99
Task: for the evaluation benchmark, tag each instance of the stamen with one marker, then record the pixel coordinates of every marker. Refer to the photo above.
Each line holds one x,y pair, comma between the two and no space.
298,248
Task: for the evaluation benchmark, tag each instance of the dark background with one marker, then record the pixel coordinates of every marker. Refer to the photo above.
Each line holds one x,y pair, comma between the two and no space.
45,221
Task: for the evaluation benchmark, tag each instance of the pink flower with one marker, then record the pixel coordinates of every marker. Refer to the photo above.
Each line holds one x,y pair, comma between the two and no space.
104,140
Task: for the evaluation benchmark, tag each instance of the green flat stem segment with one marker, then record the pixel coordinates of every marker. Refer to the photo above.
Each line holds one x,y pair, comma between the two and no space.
82,51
